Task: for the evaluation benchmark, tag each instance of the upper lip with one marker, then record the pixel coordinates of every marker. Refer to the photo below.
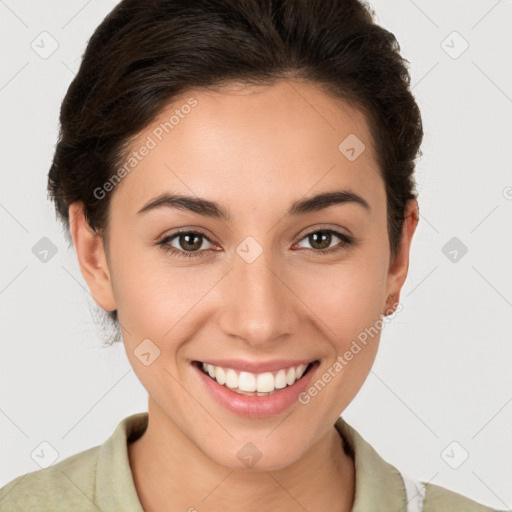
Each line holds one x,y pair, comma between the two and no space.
256,366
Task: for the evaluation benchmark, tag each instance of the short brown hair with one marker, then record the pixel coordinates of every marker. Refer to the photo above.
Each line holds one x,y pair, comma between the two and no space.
146,52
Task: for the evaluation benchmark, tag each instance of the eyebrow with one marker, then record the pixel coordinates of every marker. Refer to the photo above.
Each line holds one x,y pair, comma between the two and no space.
215,210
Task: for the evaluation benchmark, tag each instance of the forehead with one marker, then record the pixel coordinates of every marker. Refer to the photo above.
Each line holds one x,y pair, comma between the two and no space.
242,144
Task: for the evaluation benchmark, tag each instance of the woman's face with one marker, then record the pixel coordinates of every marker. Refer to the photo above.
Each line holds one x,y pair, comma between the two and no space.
266,287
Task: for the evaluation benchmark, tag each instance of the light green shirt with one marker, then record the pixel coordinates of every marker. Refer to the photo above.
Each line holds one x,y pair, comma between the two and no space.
100,479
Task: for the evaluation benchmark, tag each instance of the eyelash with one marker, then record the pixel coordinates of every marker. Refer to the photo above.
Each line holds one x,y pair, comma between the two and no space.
347,241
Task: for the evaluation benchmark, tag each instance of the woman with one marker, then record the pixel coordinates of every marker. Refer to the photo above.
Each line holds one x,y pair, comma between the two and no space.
237,179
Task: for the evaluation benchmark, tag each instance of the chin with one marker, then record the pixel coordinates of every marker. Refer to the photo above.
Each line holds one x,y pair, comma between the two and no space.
255,457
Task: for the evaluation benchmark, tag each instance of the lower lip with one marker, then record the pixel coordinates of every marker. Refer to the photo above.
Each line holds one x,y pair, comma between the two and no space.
256,406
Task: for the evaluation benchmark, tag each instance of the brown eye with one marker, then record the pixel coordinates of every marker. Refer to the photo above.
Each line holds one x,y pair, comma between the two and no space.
190,241
188,244
321,241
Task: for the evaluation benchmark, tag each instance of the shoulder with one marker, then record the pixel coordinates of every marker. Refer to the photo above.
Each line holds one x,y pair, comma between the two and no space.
99,478
381,486
440,499
67,485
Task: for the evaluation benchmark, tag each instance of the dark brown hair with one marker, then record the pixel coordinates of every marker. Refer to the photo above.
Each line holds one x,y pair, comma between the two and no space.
146,52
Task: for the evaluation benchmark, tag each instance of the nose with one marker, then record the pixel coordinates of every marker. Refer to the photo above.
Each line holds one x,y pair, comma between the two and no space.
258,304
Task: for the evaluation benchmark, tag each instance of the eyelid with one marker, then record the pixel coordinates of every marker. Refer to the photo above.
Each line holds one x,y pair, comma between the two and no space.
346,241
187,230
324,227
175,234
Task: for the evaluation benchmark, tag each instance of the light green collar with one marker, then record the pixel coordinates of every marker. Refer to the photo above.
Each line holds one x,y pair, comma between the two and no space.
378,483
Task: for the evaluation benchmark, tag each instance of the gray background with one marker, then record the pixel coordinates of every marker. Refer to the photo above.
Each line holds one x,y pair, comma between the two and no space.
442,373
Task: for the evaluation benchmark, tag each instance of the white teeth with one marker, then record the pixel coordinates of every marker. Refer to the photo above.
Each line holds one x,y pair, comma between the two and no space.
247,383
231,379
300,370
220,375
280,379
290,376
265,382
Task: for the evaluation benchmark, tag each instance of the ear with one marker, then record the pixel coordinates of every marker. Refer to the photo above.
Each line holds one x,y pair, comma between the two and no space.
91,257
399,265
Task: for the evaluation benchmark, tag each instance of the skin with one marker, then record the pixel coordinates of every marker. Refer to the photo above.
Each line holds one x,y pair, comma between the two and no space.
275,144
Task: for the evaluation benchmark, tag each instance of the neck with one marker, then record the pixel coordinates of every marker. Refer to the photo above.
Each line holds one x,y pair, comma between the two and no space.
170,473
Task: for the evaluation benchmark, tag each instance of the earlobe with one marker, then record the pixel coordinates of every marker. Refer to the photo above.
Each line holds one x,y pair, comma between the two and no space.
91,258
399,266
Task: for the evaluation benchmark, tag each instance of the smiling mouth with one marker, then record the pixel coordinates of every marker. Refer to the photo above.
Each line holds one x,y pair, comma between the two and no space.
255,384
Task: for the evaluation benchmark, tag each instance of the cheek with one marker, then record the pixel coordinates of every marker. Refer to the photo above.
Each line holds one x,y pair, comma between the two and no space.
347,311
150,293
160,301
346,298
